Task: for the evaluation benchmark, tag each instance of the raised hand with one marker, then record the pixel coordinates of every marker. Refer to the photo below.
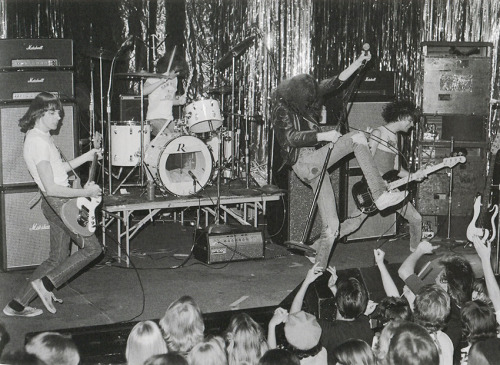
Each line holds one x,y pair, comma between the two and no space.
333,279
314,272
379,256
280,316
426,248
483,250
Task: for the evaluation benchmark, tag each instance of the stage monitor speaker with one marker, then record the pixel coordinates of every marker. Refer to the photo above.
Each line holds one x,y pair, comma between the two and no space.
13,170
25,232
375,226
365,116
241,243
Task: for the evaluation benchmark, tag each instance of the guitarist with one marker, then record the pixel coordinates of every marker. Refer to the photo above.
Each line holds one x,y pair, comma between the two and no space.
400,117
50,173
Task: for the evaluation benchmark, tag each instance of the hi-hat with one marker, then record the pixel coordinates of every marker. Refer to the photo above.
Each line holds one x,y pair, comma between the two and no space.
142,75
100,52
241,47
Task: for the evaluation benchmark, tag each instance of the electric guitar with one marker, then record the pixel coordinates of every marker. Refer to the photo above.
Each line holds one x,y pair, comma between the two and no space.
363,197
480,209
78,214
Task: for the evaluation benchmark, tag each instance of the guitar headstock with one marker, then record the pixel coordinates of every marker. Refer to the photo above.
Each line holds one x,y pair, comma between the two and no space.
452,161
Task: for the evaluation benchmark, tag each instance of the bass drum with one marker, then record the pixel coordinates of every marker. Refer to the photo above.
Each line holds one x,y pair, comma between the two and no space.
183,164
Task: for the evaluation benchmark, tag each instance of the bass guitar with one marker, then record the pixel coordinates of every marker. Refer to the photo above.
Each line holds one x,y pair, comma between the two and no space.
363,197
480,225
78,214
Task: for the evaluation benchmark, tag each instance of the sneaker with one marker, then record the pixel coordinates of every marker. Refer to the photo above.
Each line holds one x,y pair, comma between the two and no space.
45,295
390,198
26,312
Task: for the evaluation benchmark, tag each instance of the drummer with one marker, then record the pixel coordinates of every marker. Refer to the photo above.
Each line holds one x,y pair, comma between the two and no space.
163,92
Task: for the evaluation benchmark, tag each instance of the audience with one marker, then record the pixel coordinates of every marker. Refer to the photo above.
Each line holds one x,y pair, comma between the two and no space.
411,345
171,358
354,352
208,352
182,325
485,352
53,349
279,357
144,341
381,343
21,357
245,340
432,307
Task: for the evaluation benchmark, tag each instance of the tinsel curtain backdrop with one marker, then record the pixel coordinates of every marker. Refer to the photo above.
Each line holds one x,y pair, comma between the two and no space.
289,37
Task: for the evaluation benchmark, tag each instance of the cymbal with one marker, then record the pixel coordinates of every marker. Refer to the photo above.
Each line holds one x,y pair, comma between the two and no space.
237,50
142,75
100,52
221,90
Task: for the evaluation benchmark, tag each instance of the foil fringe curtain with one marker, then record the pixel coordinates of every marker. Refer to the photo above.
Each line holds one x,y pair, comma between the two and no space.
292,36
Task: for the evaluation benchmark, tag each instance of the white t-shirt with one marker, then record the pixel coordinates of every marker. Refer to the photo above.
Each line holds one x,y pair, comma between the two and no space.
161,100
446,348
39,146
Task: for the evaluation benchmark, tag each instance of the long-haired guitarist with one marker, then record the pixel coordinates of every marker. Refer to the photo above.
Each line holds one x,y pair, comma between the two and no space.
400,117
50,172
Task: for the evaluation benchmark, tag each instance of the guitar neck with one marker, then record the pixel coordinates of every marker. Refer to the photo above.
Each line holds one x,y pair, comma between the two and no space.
405,180
93,168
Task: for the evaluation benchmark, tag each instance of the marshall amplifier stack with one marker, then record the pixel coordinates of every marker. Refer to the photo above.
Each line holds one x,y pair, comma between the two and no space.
28,67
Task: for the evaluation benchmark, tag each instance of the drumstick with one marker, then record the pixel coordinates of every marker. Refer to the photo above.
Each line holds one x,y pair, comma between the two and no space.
171,59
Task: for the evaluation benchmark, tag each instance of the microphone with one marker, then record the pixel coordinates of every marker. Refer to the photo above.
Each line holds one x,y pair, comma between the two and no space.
366,48
192,176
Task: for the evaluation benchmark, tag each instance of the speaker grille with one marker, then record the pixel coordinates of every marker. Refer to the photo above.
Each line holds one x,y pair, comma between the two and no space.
13,169
25,231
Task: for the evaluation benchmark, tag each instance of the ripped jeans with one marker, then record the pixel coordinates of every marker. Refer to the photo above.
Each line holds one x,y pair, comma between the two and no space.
308,168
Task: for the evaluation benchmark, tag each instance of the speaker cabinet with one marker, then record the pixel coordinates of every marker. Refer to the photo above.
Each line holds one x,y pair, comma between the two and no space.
13,170
375,226
365,116
24,230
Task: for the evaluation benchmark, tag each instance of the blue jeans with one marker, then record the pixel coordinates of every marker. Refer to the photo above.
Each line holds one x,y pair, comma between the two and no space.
414,219
308,168
60,265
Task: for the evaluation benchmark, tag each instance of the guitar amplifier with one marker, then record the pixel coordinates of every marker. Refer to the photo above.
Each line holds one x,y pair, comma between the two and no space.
26,85
242,243
39,53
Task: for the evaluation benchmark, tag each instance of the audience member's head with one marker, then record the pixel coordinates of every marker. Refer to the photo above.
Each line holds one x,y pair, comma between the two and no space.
394,308
432,307
456,278
478,321
144,341
480,291
354,352
486,352
412,345
54,349
245,340
171,358
209,352
279,357
351,298
382,345
21,357
303,334
182,325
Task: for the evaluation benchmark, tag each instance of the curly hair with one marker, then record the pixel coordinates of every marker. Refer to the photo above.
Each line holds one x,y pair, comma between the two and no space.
392,308
399,109
42,103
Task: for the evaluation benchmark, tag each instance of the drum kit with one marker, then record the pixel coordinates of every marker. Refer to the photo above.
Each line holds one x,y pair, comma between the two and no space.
192,152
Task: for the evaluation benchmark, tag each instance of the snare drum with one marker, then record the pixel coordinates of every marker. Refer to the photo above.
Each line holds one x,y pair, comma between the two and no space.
183,164
203,116
126,142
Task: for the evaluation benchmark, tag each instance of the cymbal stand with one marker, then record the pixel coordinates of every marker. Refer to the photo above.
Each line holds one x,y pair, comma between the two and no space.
448,239
233,124
247,154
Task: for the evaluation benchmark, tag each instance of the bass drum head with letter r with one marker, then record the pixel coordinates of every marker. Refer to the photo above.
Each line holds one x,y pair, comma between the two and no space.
183,164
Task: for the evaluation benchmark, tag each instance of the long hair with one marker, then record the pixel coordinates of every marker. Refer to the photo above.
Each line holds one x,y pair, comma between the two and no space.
144,341
354,352
182,325
245,340
208,352
432,307
41,103
478,321
53,348
460,278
